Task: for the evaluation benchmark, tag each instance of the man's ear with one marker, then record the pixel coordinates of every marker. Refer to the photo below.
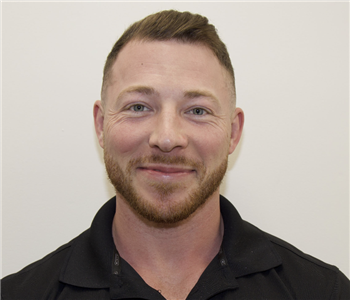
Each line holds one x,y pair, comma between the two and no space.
237,122
99,119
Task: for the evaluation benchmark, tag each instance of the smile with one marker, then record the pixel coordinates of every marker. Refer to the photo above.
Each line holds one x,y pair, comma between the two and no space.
163,171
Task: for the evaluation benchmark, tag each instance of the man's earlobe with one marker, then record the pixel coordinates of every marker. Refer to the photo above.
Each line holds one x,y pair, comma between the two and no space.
236,128
98,120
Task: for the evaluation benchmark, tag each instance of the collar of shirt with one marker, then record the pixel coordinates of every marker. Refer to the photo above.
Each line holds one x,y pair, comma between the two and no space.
93,261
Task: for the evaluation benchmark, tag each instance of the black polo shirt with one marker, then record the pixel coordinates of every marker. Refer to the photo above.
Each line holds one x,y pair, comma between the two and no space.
250,265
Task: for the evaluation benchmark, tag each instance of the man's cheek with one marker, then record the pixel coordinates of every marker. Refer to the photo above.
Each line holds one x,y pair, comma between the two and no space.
124,141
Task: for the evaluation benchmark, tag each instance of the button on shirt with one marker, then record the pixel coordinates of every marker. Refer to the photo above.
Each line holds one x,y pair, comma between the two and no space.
251,265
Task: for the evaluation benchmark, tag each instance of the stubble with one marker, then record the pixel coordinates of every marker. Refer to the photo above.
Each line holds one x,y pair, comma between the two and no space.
168,212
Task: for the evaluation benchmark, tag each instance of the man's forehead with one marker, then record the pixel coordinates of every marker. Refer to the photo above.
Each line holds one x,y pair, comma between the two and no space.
137,54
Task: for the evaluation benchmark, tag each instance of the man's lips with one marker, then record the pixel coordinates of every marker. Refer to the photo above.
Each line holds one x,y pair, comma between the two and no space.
164,170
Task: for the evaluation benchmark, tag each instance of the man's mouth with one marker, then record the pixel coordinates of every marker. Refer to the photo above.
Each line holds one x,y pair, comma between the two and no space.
166,171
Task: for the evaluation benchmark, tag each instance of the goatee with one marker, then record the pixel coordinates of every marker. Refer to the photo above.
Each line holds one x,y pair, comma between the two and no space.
165,212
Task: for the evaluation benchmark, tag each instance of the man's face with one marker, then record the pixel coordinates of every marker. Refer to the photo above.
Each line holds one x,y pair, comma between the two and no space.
167,127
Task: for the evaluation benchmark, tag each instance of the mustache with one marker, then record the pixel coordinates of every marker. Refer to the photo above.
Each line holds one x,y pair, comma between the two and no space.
168,160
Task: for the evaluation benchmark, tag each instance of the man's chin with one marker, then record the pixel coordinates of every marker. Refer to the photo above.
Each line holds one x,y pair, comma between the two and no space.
163,206
165,214
160,192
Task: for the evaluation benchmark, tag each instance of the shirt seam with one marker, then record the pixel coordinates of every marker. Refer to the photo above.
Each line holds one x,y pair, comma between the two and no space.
308,258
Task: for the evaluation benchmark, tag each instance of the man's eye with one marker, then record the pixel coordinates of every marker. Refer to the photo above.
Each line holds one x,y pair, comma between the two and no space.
198,111
138,107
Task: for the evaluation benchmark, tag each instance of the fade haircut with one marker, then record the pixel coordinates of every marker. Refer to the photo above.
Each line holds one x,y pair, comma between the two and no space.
168,25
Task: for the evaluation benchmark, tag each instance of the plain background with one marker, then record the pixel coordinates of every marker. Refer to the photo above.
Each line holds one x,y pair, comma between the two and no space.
289,175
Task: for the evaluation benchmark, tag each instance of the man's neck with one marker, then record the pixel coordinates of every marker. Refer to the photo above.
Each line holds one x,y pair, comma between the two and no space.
176,254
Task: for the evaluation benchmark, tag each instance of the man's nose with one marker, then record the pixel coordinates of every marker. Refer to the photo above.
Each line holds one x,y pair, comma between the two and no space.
168,132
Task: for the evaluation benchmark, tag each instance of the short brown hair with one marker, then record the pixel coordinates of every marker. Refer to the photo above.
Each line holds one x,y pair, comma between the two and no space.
172,25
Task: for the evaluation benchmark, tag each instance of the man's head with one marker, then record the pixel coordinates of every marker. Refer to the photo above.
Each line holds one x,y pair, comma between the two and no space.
167,124
183,27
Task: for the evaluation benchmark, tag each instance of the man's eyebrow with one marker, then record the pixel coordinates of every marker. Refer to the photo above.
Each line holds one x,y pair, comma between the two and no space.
199,93
145,90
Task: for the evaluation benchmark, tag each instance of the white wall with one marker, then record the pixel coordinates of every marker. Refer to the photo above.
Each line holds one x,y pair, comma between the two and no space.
289,175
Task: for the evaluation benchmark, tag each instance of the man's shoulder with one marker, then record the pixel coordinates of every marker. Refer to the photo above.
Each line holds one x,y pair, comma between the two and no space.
254,244
50,260
275,265
39,277
306,274
291,254
297,259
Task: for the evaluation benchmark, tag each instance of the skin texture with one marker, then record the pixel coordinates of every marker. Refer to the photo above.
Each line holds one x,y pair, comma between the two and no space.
167,126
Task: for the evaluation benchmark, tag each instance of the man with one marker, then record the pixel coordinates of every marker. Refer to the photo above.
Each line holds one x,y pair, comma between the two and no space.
167,121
